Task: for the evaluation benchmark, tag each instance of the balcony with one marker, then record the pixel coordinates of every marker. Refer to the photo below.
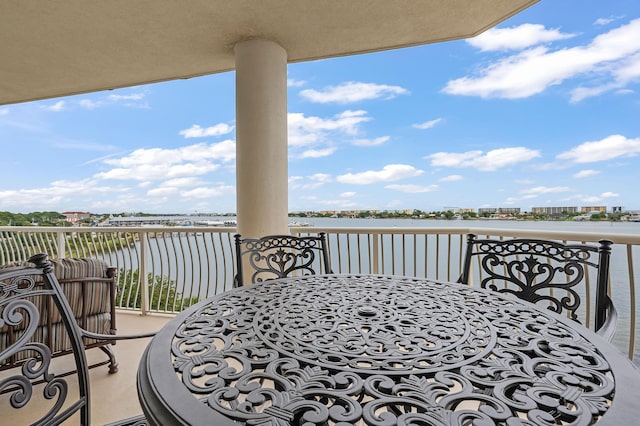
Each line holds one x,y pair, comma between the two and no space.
197,262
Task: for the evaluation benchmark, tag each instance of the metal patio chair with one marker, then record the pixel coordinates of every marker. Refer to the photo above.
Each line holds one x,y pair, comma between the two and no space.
546,272
28,295
279,256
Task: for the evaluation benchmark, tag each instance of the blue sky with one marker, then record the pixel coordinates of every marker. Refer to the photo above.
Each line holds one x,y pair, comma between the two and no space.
543,110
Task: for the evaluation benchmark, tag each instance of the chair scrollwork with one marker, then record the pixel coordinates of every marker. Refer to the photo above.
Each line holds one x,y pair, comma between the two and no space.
545,272
279,256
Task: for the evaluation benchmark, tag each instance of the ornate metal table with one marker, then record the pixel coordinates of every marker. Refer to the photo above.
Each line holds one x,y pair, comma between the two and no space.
381,350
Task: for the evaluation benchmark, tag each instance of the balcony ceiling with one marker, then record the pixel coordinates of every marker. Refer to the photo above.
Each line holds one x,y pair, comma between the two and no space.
58,48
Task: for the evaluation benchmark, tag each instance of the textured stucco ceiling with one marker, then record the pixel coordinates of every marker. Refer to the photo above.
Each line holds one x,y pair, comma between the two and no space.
51,48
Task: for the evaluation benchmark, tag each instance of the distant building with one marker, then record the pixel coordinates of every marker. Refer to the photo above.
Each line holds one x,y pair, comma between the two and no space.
459,210
489,210
632,216
617,209
591,209
499,210
75,217
554,210
508,210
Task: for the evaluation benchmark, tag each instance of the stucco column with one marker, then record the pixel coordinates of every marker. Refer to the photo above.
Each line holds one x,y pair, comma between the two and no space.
261,138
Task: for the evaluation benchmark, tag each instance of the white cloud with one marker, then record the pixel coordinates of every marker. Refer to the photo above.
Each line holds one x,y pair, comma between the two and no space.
90,104
182,182
134,100
145,172
130,97
4,111
295,83
205,192
317,153
626,71
173,185
491,161
371,142
86,146
348,194
604,58
312,182
40,198
585,173
427,124
162,191
158,163
529,196
353,91
580,93
196,131
516,38
308,130
57,193
451,178
613,146
321,177
306,186
413,189
606,21
58,106
389,173
538,190
592,199
315,137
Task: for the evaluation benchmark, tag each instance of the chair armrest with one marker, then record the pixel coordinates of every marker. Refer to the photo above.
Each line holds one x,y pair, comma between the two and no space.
113,337
608,329
94,281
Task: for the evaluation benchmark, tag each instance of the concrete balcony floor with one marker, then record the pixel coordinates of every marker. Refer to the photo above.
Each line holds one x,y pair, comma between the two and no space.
113,396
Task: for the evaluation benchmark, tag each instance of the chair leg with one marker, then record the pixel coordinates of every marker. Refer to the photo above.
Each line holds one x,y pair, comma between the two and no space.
113,364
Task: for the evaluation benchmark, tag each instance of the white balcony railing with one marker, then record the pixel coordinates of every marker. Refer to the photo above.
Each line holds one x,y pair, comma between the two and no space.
184,264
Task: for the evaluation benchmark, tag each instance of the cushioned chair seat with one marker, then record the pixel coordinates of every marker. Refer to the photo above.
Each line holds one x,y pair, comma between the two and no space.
89,287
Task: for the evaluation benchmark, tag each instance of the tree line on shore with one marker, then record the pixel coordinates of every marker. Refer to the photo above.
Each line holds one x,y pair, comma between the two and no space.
32,219
450,215
50,218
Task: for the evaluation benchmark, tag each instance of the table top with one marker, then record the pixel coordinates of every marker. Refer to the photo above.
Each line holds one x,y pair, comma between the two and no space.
381,350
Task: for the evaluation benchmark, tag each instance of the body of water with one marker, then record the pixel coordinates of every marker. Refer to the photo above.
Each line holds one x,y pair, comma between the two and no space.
550,225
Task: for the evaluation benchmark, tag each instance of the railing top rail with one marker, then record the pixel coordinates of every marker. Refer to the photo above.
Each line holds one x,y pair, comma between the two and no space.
37,229
618,238
378,230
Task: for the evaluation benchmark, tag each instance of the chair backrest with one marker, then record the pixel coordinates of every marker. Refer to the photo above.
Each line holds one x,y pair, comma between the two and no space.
549,273
279,256
26,294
